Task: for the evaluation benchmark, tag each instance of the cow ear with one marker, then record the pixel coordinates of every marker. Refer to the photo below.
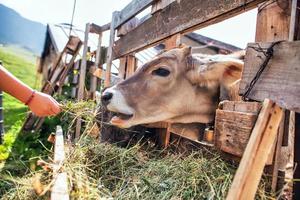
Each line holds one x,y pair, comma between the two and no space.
224,71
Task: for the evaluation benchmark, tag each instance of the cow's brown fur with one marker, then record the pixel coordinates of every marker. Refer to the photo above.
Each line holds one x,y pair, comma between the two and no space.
189,94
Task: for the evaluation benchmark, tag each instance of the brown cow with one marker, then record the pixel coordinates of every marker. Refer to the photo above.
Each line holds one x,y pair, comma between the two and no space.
175,86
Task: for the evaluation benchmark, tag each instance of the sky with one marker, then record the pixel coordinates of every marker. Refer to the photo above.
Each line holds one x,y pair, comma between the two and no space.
237,31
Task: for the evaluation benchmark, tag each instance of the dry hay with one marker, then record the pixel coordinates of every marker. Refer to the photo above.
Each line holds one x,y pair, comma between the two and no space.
139,171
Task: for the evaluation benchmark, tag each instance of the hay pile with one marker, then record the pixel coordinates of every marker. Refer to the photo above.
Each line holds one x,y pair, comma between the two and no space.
139,171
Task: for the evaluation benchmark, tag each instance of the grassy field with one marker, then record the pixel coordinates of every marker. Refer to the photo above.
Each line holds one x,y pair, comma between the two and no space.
20,63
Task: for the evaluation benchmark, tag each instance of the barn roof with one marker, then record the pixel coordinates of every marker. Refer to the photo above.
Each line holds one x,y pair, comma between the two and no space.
212,42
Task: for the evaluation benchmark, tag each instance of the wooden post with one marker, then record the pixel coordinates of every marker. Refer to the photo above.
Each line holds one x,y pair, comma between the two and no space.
273,24
109,57
60,186
295,35
93,84
251,167
82,74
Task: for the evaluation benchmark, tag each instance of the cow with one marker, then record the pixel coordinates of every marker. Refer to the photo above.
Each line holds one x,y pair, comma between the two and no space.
176,86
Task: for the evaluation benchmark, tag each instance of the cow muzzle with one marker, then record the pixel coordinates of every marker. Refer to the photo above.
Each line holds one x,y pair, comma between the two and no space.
115,102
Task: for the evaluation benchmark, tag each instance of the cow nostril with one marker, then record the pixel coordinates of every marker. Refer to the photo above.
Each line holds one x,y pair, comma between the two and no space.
106,97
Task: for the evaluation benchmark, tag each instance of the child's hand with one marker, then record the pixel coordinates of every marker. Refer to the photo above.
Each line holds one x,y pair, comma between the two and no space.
44,105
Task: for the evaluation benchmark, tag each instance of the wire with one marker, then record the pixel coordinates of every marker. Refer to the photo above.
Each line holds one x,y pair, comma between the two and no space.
73,13
268,53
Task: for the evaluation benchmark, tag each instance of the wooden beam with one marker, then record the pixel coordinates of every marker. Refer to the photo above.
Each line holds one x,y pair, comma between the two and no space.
60,187
159,5
132,9
280,80
105,27
109,57
94,28
82,76
251,167
180,17
93,84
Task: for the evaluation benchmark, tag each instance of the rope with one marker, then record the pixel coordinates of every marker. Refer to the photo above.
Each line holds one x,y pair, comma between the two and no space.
268,53
73,13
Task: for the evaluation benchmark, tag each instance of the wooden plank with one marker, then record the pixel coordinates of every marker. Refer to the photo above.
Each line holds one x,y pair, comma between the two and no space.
251,167
280,80
105,27
94,28
233,130
132,9
60,187
131,65
159,5
93,84
277,155
180,17
82,76
241,106
109,57
122,68
188,131
82,73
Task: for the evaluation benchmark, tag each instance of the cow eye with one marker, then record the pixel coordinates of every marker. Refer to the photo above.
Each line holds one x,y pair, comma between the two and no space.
161,72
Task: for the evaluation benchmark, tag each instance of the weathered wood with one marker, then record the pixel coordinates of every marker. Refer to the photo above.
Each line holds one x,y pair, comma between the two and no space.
100,73
105,27
277,155
232,130
122,68
194,14
127,27
280,80
131,65
82,76
60,187
189,131
93,84
251,167
159,5
132,9
94,28
241,106
82,73
272,23
109,57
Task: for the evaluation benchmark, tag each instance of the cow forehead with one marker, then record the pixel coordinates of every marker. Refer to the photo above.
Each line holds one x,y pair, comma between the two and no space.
158,60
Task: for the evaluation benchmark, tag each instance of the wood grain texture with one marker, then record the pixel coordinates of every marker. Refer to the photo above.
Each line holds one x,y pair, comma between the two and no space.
109,56
132,9
180,17
280,80
272,23
251,167
232,130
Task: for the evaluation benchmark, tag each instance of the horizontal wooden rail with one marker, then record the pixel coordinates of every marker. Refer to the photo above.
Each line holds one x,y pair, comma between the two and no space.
180,17
132,9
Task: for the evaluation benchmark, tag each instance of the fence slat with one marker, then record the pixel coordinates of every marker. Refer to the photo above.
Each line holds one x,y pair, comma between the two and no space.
60,186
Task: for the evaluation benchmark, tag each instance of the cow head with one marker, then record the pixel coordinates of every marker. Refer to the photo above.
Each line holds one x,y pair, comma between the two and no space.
175,87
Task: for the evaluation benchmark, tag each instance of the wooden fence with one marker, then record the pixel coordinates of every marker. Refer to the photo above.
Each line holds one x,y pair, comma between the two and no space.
276,20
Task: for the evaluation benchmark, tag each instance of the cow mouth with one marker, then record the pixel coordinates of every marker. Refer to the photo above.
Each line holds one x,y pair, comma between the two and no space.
119,119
